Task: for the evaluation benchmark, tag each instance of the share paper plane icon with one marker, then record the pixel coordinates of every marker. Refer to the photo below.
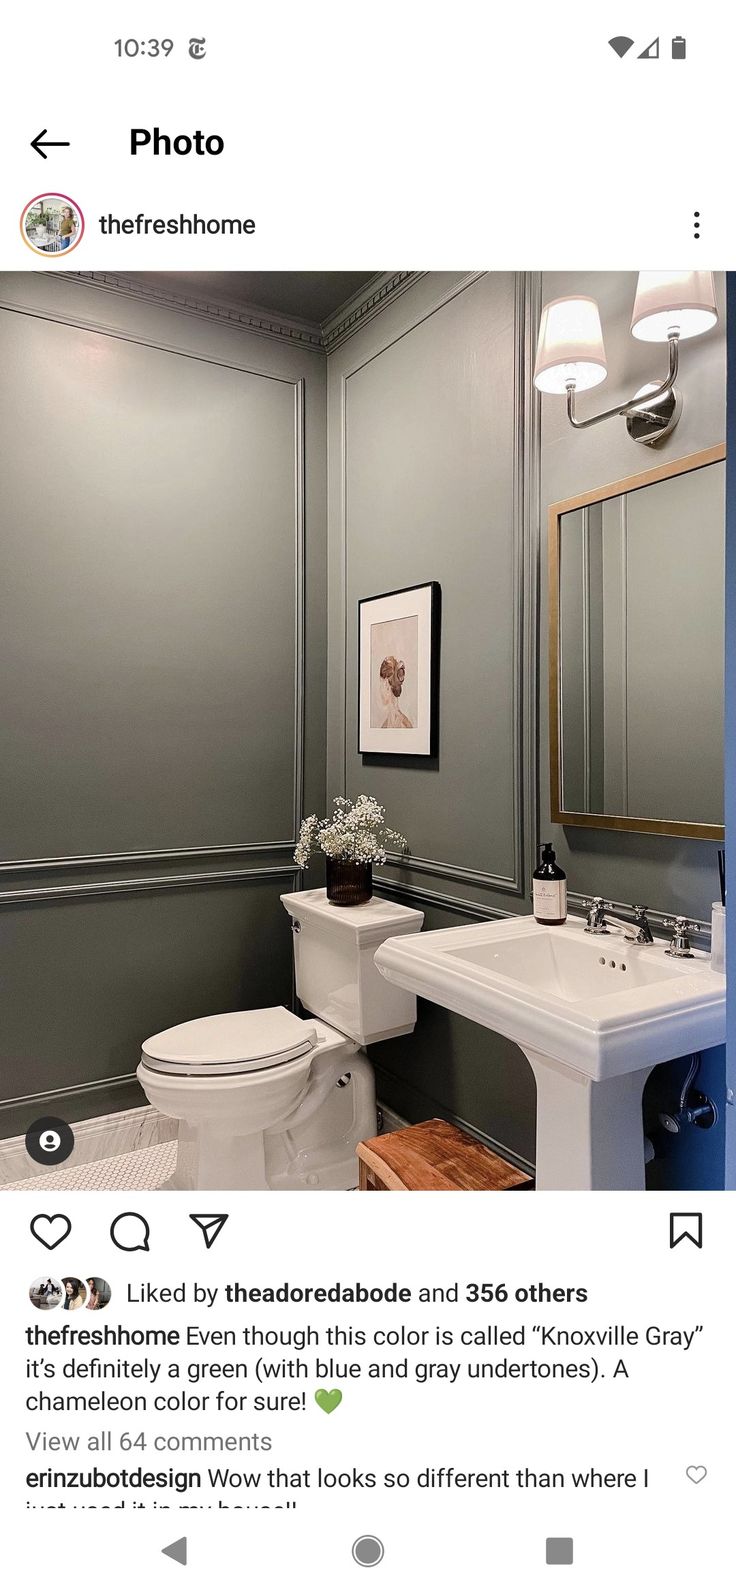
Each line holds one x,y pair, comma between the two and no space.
620,44
210,1223
177,1551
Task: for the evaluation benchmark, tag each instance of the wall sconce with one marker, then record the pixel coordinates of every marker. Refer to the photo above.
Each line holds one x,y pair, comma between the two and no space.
571,356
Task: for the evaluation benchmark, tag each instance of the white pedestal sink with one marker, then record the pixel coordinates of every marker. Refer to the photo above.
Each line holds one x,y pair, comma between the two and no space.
593,1014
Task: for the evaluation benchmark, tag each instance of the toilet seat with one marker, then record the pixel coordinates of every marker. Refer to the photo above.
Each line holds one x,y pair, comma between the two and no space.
227,1044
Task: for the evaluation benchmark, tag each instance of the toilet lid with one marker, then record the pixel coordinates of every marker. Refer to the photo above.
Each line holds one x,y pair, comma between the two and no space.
228,1043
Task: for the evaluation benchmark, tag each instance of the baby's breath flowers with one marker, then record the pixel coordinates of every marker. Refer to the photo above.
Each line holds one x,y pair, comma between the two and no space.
356,831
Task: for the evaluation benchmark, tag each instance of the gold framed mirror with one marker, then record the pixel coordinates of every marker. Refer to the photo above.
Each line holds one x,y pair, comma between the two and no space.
636,651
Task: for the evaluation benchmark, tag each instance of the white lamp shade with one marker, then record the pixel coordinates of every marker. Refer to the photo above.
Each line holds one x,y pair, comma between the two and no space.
570,346
682,302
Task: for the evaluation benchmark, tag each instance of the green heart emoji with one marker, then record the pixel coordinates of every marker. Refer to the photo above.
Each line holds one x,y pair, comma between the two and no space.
328,1399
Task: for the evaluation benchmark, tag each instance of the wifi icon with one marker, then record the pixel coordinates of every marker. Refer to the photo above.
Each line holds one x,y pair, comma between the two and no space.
620,44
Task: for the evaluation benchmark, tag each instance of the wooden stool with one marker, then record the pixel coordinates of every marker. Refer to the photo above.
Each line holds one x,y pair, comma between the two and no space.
433,1156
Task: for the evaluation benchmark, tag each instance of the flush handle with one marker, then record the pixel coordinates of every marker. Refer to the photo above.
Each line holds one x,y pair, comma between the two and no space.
296,927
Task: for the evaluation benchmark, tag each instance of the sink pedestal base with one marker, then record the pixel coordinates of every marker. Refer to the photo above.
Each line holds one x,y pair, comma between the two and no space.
590,1133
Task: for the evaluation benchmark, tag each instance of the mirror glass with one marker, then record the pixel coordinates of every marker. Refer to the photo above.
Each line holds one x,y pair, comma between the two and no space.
639,645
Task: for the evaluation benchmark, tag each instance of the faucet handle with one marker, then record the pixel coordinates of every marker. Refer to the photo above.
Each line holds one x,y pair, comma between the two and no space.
596,907
682,928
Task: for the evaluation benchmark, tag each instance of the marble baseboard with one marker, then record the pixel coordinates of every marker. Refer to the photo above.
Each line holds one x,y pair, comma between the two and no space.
112,1135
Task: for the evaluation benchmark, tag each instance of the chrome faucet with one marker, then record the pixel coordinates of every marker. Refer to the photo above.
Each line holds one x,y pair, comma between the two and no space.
599,921
643,934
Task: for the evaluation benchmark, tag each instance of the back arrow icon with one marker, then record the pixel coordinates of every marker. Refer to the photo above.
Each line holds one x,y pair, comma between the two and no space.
51,143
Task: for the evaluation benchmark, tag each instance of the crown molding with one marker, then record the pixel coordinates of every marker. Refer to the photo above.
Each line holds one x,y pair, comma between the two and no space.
388,286
252,318
346,320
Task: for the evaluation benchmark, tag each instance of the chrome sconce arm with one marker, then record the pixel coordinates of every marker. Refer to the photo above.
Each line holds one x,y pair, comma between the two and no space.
643,408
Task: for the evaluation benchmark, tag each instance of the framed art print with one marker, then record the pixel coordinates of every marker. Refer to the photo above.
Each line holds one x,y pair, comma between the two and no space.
398,658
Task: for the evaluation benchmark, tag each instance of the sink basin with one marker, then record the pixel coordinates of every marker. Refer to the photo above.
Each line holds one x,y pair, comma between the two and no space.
593,1015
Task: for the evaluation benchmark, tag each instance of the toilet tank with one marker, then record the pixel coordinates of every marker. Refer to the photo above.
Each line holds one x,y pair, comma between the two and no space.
336,977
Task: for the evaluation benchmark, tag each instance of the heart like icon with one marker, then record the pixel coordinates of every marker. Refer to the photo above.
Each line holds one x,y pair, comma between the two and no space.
328,1399
696,1474
50,1231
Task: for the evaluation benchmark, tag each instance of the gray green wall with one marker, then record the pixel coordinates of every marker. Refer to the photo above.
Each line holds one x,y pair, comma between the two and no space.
163,668
440,468
428,480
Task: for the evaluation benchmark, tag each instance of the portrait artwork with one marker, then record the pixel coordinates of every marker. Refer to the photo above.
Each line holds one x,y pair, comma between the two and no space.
398,659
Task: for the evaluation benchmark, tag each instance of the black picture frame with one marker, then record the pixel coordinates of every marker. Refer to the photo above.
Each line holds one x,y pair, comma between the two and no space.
394,609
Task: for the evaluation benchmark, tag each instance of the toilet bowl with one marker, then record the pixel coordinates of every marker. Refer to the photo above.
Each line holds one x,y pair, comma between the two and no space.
269,1101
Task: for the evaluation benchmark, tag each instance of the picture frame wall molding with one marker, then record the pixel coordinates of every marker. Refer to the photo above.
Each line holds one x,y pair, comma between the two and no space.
170,858
526,543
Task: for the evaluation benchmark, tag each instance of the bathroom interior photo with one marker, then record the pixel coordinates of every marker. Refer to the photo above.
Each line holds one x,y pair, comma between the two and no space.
362,661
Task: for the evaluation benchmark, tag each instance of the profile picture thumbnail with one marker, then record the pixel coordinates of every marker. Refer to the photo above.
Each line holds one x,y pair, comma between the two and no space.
52,224
98,1294
45,1293
75,1294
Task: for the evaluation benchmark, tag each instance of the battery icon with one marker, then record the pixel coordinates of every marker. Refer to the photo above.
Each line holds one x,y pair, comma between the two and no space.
679,48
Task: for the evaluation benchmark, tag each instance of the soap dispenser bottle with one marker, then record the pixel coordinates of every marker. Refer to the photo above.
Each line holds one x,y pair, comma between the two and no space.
549,888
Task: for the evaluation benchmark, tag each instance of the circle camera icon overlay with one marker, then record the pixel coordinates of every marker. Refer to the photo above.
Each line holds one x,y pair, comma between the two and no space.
49,1141
52,225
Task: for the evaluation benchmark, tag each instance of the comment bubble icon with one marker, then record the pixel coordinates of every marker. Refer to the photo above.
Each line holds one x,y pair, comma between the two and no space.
129,1231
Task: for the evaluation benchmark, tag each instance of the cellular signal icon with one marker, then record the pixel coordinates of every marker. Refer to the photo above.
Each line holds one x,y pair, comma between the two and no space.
620,44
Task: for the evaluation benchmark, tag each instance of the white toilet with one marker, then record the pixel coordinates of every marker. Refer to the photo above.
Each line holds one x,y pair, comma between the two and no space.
269,1101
